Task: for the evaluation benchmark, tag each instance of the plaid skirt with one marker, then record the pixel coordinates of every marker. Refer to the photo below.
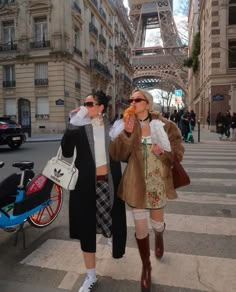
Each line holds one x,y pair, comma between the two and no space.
103,209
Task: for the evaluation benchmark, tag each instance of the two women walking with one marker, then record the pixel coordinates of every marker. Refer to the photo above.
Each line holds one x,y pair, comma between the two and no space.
149,144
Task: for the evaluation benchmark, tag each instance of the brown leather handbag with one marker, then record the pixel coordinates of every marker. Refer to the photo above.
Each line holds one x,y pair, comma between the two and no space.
180,176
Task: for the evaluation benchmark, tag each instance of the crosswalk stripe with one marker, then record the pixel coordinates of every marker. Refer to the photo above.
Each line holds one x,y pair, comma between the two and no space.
214,181
177,270
209,170
206,198
205,162
218,158
195,224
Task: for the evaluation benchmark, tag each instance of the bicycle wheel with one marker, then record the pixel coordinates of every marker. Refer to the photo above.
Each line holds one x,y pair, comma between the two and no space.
48,214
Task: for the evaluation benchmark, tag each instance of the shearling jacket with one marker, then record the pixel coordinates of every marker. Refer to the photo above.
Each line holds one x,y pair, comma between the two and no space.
127,147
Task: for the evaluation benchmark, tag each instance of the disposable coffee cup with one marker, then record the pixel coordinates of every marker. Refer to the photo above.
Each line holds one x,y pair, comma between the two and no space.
82,112
76,117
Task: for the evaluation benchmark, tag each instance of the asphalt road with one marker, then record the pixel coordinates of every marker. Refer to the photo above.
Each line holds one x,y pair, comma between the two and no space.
200,238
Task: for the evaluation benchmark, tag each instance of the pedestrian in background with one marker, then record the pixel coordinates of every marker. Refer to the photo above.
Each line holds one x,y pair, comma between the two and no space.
233,127
220,125
147,180
227,124
94,207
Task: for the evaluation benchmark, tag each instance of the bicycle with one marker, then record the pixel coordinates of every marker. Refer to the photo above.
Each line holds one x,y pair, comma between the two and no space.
24,197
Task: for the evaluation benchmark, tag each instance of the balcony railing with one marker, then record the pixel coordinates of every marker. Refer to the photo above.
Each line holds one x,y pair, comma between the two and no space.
102,40
11,83
76,7
10,46
93,29
78,52
77,85
102,13
40,44
99,67
41,82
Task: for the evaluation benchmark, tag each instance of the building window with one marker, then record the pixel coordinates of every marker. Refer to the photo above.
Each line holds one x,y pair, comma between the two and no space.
77,49
77,79
10,107
232,53
42,107
232,12
40,33
8,36
93,52
9,76
41,74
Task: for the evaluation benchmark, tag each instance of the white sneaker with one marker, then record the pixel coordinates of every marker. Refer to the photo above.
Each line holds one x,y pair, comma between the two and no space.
88,284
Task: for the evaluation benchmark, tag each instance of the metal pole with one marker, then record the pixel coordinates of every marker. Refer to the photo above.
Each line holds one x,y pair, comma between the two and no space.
198,128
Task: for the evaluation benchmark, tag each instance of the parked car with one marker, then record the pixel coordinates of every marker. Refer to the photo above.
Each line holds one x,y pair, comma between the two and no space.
11,133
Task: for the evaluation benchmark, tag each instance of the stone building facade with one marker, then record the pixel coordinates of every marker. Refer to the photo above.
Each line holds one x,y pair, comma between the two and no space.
212,88
55,52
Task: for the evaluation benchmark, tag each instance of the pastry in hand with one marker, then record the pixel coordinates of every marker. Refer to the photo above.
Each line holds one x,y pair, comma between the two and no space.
128,112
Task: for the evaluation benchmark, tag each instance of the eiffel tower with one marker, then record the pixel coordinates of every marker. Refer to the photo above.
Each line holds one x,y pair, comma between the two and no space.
160,65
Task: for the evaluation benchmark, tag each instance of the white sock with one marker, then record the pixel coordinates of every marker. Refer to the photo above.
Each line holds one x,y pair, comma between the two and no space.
158,226
91,273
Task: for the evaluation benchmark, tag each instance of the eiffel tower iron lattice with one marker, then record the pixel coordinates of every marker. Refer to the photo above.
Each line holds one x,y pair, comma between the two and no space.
158,66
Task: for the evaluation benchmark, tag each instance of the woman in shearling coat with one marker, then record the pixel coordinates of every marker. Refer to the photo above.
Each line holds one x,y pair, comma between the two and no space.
94,207
149,143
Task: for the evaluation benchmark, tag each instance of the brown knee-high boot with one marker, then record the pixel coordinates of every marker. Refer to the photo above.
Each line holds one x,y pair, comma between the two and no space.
144,251
159,243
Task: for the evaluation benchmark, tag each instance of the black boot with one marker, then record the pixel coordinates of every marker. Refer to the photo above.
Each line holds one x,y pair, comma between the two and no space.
144,251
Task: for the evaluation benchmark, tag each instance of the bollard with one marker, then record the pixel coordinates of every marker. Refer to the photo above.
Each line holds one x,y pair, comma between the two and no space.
198,128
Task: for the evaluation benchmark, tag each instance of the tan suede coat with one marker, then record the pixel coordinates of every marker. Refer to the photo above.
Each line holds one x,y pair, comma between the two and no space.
127,147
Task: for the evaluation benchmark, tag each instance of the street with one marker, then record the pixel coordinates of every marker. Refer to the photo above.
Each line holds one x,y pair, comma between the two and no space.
200,236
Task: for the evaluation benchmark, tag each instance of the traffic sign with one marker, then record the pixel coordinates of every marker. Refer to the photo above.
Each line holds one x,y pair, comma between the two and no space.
178,92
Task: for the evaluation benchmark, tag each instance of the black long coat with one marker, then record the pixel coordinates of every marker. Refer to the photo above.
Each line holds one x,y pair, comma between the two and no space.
82,204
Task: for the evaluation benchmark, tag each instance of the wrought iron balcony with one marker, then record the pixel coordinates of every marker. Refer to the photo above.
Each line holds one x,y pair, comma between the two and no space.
78,52
100,68
40,44
76,7
102,12
41,82
102,39
11,83
10,46
93,29
77,85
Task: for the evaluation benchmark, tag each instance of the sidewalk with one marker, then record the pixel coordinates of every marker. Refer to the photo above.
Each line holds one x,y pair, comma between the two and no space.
44,137
205,136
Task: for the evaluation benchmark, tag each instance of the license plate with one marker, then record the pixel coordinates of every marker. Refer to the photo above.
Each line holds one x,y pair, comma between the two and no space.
16,138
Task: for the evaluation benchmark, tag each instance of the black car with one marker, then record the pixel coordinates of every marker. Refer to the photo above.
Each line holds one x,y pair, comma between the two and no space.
11,133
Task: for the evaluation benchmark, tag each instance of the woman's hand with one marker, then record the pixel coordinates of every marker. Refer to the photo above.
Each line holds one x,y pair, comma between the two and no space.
157,150
129,124
75,110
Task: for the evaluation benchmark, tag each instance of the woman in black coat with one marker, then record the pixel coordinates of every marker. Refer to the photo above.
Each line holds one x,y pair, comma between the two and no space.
94,207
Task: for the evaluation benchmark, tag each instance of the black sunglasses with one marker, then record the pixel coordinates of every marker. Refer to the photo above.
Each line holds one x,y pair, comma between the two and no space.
90,103
136,100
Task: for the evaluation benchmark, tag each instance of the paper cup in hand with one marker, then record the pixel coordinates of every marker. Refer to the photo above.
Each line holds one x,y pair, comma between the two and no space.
77,117
82,112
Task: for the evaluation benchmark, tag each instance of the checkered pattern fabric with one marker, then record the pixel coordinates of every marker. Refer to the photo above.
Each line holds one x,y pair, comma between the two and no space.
103,215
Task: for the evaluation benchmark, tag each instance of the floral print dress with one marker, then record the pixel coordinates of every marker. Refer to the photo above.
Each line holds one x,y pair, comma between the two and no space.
156,192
